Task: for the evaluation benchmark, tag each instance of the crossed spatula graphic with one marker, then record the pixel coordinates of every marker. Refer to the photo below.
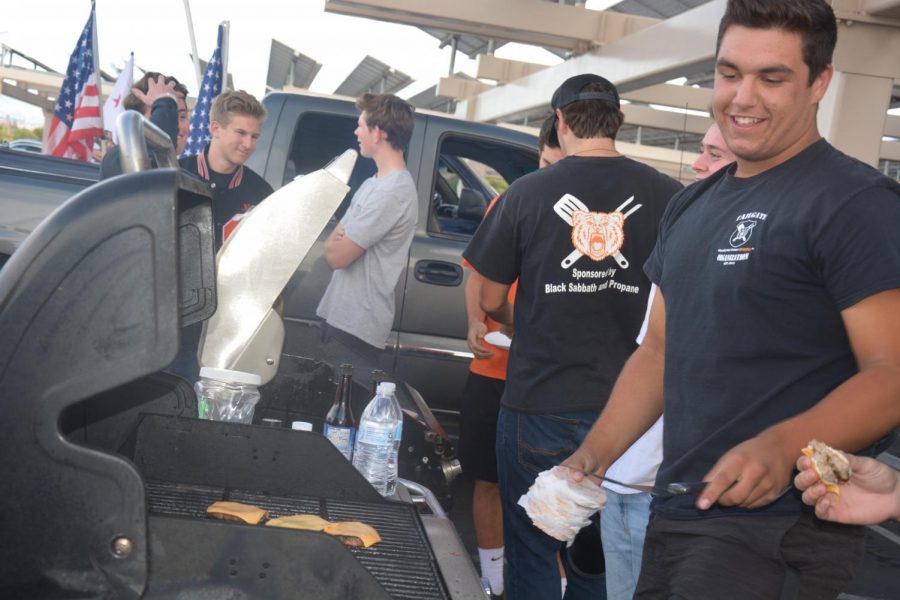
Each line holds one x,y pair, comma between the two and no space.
566,206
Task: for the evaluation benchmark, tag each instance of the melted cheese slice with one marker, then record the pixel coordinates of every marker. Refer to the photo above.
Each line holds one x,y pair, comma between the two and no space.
237,511
365,533
306,522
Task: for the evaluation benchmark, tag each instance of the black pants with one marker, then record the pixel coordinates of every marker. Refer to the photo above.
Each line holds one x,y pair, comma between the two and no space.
748,558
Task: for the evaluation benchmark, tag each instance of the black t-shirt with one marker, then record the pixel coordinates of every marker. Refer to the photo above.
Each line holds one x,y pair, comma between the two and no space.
755,273
233,193
575,324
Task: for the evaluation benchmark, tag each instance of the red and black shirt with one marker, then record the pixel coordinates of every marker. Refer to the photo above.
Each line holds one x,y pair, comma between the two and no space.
233,193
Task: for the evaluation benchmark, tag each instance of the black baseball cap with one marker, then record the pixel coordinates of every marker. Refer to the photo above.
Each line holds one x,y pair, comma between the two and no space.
570,91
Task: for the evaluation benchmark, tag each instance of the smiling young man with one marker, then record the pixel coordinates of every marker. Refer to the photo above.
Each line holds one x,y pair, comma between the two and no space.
368,249
777,320
714,154
235,120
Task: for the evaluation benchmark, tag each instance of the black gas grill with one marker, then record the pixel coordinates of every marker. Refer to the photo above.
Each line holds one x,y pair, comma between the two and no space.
106,474
189,464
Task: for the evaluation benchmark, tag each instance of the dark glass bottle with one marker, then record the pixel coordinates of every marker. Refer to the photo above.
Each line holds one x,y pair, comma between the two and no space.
340,426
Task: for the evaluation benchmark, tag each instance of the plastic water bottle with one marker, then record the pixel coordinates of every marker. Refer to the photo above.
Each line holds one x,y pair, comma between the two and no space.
378,440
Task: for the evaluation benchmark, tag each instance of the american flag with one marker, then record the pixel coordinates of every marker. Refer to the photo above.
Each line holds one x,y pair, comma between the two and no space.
209,89
76,118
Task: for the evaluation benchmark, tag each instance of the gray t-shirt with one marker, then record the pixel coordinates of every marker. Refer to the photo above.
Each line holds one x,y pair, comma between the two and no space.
381,219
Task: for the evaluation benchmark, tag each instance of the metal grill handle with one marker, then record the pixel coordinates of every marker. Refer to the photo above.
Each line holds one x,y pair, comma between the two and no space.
420,494
135,134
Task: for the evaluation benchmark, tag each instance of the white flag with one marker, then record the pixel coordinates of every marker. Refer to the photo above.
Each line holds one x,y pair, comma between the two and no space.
114,105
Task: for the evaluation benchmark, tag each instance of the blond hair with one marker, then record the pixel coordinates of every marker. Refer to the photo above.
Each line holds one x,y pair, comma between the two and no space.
238,102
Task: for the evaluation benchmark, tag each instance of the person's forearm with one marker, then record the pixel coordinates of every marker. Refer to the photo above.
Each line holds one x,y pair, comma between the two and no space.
494,301
635,404
503,314
164,114
851,417
472,293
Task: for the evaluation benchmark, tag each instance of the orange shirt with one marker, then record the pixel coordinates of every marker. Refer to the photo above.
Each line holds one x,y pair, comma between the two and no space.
495,366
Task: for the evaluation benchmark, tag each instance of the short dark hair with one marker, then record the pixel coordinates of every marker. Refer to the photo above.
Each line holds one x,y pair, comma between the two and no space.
548,138
812,19
236,102
133,103
594,118
391,114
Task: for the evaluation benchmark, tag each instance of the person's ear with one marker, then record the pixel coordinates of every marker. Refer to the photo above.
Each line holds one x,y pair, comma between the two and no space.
820,83
561,125
214,127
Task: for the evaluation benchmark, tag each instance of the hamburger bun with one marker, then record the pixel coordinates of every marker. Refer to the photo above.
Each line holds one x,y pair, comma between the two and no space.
832,466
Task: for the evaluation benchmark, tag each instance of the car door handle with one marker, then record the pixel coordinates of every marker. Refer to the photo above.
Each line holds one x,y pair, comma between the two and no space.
438,272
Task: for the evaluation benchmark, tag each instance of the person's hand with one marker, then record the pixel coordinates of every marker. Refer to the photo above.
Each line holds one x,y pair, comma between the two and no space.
583,461
475,341
871,496
750,475
156,89
339,231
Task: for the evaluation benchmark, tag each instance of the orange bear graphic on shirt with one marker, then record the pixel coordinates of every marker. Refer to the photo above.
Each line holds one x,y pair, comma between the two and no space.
597,235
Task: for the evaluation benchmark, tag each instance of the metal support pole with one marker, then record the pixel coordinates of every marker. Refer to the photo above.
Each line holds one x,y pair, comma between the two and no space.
190,25
454,42
226,34
97,63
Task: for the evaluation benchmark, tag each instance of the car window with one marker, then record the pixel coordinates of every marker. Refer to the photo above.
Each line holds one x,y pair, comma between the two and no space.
318,139
468,175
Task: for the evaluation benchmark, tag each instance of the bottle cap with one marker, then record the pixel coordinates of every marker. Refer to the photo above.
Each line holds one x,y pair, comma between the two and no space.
301,426
346,369
271,422
386,388
229,376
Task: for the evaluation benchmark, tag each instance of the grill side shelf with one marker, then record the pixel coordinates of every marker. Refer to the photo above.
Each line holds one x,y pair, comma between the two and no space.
274,461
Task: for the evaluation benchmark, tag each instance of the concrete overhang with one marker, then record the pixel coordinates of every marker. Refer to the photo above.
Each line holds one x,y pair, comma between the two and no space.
527,21
632,63
879,9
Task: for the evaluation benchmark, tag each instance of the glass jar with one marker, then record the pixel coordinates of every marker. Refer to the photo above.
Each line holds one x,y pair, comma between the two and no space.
225,395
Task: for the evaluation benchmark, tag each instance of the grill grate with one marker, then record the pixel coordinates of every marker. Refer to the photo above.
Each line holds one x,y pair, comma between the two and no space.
402,563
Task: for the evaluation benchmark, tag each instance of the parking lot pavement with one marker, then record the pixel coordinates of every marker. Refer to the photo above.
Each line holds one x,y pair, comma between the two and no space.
878,577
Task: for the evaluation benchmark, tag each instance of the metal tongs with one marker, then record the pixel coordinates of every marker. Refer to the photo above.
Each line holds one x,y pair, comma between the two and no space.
677,488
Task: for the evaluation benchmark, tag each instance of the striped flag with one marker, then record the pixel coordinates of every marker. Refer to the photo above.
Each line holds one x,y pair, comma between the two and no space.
76,119
211,87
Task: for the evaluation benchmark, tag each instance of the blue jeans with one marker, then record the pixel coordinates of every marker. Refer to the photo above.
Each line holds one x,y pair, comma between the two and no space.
623,524
526,445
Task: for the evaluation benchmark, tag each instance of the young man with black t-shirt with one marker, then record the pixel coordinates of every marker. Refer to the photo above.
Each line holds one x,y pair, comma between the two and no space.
575,235
235,120
777,321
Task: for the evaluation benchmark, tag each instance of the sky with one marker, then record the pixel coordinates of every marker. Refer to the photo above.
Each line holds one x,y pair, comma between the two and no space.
157,32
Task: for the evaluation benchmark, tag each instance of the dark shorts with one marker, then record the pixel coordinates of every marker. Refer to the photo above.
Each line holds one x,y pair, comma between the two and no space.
478,426
748,558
